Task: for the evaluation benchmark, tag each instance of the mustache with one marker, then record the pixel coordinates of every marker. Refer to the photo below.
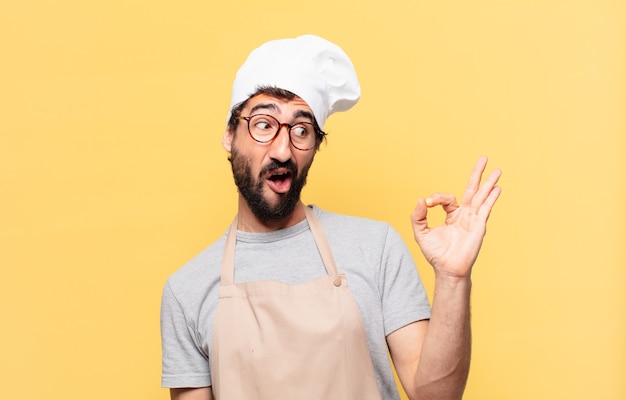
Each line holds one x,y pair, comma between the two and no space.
274,165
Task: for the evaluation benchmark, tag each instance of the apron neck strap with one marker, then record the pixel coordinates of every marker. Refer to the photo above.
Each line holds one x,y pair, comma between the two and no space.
228,260
320,240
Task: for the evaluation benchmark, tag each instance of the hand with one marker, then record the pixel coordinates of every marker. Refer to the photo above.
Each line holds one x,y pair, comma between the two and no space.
453,247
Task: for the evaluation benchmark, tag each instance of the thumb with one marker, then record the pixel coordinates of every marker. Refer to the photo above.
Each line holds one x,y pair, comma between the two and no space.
418,218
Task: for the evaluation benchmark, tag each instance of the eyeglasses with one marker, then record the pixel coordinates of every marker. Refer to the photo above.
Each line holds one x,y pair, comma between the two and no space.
264,128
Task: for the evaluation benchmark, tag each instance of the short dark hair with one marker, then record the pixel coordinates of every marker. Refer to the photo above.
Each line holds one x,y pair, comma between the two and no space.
279,93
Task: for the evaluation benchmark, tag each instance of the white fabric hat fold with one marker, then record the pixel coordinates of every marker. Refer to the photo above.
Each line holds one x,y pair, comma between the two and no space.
313,68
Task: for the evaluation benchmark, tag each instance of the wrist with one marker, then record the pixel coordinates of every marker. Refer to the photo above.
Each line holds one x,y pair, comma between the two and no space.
452,293
443,278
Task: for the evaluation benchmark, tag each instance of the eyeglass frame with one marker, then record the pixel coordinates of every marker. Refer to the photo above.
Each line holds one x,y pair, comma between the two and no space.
320,134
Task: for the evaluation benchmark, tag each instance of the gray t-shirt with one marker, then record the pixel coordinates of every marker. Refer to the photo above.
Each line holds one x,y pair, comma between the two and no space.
379,269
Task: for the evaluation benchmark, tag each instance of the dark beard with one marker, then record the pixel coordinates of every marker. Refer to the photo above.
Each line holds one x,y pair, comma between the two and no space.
252,191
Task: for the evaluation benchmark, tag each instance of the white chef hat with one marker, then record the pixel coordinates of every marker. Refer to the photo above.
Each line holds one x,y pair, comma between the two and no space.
313,68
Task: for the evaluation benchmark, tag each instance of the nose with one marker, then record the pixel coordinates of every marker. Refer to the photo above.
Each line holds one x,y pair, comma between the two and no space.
280,148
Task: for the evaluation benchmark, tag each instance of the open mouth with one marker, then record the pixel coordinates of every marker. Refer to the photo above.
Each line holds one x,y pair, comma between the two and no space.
279,180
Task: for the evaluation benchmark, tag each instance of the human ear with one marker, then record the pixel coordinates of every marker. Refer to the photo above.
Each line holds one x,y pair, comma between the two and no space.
227,140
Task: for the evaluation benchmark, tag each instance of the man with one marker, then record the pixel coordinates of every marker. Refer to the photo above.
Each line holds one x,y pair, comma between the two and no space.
299,303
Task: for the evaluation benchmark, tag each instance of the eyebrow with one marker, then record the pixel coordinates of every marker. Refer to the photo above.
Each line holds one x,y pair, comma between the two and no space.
271,106
304,114
263,106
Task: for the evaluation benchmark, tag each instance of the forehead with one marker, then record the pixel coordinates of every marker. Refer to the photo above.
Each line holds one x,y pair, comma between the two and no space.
276,105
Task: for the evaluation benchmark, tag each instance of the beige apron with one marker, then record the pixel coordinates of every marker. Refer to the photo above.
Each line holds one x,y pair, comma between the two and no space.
277,341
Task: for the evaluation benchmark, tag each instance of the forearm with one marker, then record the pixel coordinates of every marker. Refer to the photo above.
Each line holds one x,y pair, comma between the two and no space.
445,356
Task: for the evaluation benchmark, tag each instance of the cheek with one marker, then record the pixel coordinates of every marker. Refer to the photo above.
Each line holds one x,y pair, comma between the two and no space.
253,155
304,163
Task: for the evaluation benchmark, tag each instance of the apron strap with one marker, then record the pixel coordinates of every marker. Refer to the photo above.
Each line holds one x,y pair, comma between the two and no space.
320,240
228,260
227,273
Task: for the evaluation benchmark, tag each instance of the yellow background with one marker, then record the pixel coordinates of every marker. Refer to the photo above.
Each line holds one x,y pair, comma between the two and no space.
112,174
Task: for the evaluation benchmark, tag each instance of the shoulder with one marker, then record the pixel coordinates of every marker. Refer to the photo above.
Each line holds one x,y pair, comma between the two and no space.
349,222
197,276
340,227
360,237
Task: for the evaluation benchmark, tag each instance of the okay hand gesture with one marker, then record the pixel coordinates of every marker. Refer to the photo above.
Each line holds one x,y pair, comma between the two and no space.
453,247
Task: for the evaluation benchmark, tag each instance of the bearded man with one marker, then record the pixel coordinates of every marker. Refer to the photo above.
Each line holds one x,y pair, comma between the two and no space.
295,302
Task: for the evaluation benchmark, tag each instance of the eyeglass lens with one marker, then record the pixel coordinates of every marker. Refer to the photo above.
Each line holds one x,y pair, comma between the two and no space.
264,128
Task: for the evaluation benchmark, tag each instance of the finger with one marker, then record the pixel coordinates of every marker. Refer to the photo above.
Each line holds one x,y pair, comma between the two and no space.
485,189
485,209
474,181
446,201
418,217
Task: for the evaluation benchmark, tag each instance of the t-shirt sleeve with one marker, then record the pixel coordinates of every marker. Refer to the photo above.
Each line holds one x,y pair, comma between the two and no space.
403,295
184,364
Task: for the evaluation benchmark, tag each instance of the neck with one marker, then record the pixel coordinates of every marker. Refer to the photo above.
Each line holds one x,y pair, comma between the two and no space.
248,222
